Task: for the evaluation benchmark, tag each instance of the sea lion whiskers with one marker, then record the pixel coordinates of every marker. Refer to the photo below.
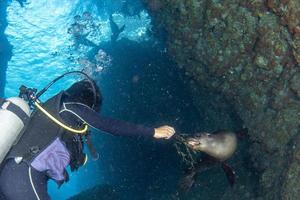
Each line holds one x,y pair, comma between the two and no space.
185,152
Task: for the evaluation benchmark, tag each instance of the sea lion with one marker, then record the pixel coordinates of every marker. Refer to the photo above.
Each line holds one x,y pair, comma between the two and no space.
218,146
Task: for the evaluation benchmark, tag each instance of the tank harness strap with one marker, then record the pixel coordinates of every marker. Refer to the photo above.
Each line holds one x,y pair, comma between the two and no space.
2,101
15,109
33,150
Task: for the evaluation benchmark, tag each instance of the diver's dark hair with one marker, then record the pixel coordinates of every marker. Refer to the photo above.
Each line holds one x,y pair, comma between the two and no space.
82,92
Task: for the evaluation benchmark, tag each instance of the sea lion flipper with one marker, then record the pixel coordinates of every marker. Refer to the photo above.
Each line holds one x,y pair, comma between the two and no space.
122,29
230,173
187,182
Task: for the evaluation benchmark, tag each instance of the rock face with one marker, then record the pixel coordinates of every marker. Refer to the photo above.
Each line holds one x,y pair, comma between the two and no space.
250,52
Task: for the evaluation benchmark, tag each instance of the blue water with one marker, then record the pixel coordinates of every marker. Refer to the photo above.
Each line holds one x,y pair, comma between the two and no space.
5,47
38,33
140,84
41,48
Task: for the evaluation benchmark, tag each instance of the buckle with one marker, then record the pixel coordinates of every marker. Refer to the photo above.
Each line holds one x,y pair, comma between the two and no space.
34,149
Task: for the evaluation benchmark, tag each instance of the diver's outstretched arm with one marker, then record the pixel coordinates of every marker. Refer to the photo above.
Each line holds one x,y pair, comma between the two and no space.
114,126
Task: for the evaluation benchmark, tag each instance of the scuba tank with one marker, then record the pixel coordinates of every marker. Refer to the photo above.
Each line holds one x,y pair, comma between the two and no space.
14,113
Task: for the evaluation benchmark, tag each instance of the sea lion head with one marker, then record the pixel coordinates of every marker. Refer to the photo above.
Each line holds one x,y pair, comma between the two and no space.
200,141
220,145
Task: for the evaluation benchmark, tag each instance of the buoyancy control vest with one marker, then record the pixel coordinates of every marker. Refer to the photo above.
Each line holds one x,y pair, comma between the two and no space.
41,132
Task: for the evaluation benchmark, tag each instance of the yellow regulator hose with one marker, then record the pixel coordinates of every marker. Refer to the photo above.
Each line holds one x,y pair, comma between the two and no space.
37,104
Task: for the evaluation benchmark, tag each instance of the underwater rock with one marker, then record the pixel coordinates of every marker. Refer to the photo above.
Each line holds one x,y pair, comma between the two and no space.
250,52
295,83
289,14
291,185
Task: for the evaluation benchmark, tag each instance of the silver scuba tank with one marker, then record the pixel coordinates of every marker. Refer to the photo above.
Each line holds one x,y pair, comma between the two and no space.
11,124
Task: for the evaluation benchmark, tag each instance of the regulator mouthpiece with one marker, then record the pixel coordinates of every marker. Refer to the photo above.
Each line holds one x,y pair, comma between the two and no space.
28,94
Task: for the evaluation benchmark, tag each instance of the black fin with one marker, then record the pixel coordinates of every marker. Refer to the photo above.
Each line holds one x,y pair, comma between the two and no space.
230,173
113,26
121,29
188,181
115,29
205,163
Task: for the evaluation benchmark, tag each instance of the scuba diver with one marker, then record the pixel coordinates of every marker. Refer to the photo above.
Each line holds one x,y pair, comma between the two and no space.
53,138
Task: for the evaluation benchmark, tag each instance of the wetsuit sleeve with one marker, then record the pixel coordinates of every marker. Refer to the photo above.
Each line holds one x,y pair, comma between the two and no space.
112,126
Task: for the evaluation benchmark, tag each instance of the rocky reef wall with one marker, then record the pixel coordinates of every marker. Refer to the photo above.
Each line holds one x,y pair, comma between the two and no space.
250,52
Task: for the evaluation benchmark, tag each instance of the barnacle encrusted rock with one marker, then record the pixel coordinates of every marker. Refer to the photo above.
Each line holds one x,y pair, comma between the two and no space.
250,52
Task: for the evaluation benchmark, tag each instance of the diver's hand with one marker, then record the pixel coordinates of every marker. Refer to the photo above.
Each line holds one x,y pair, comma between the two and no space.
164,132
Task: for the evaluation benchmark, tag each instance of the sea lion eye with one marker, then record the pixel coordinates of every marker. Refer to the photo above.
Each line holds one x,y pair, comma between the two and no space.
208,135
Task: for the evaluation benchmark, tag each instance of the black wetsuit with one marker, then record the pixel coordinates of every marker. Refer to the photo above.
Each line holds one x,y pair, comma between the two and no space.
14,178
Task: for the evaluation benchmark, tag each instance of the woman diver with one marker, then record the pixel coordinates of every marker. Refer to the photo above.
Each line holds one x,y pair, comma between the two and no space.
46,148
